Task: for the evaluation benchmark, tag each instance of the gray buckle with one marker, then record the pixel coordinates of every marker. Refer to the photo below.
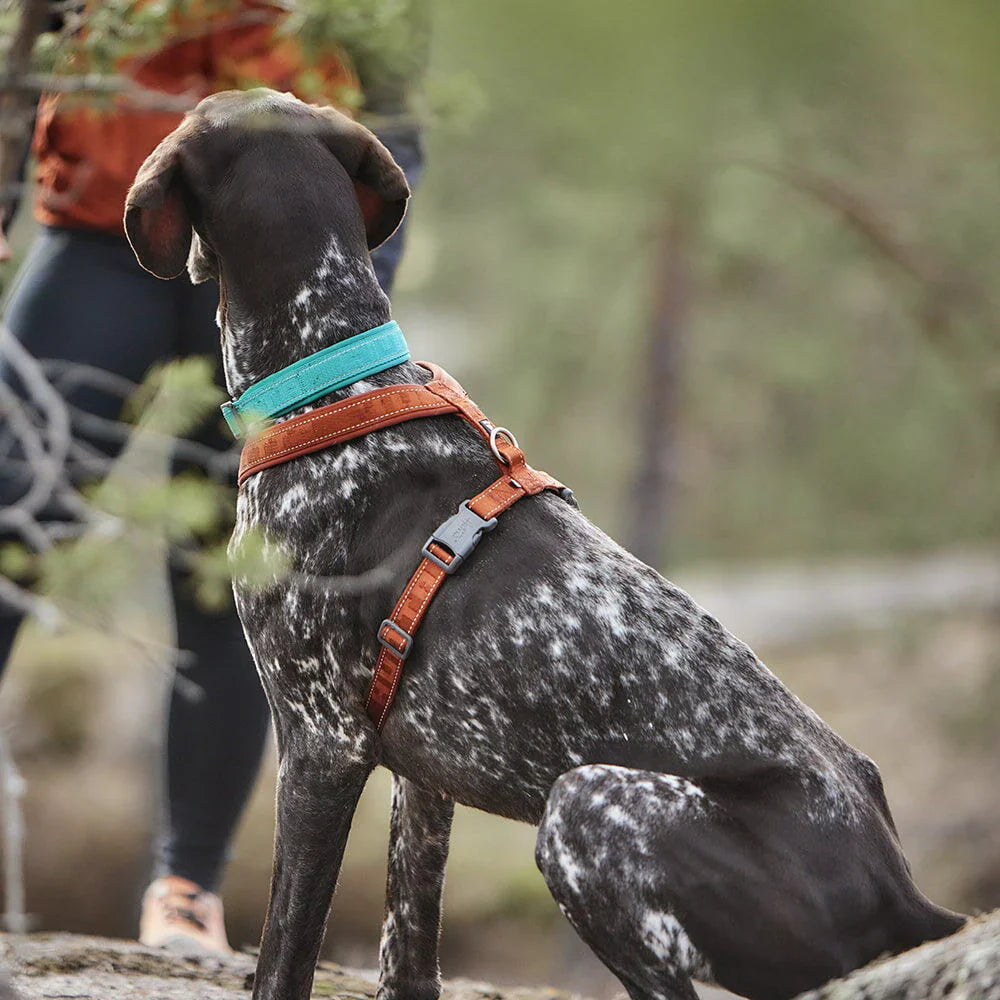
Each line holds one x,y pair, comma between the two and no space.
459,535
402,633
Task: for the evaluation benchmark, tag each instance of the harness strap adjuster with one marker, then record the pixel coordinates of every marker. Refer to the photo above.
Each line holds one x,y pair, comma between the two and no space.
388,623
458,536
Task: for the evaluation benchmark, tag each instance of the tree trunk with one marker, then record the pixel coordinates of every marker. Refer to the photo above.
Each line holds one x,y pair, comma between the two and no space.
17,106
659,400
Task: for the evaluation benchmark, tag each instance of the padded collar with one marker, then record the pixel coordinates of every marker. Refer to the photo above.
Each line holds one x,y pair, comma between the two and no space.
332,368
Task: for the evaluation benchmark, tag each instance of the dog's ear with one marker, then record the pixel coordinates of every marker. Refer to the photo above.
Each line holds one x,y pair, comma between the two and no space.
380,183
157,222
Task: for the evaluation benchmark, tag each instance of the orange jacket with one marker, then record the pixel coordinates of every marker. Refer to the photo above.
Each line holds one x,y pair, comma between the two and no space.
87,157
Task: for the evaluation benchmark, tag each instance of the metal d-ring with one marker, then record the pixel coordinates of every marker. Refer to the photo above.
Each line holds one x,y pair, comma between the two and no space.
493,443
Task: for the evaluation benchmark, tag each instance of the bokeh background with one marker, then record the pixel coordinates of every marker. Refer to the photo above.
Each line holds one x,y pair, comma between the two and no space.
729,269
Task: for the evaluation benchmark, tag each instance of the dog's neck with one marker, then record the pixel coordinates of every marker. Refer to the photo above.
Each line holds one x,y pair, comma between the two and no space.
298,313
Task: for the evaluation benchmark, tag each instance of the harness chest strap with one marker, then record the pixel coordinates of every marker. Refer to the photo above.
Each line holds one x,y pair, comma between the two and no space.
452,542
329,425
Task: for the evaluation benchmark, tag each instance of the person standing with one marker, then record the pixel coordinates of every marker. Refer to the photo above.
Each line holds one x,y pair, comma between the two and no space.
81,297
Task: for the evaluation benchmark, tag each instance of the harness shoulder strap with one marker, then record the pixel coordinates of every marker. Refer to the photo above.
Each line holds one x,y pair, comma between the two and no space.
451,544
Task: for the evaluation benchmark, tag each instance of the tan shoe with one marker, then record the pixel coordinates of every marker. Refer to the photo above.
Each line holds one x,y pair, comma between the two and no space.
179,915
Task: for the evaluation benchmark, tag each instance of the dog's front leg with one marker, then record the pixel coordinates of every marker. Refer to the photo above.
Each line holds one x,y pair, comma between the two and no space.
418,850
318,789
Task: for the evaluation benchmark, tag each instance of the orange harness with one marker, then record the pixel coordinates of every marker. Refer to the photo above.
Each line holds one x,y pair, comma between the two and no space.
453,541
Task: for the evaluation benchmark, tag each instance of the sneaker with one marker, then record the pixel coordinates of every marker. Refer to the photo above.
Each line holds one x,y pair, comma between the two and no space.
179,915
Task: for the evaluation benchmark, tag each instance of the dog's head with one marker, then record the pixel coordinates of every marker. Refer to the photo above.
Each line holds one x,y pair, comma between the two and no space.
264,157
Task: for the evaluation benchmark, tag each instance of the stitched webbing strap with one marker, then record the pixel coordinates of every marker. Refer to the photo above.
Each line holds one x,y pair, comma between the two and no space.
337,422
303,381
396,633
448,547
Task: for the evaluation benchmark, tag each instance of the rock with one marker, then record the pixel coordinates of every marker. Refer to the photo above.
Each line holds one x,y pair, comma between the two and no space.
965,966
7,992
69,966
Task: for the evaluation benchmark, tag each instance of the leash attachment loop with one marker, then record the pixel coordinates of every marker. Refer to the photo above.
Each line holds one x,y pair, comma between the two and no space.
495,432
458,537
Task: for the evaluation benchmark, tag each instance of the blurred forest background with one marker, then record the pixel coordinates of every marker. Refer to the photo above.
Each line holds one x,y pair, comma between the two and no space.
729,269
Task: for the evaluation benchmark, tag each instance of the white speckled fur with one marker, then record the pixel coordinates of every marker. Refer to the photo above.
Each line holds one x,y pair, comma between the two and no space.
580,654
695,818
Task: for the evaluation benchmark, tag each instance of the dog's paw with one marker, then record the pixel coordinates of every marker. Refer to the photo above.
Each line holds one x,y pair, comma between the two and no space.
423,990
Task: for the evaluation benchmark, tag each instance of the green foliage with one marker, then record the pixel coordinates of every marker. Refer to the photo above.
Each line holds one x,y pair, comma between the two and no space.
212,580
136,512
117,29
16,562
96,41
387,41
258,561
181,508
176,397
187,511
9,13
92,573
254,561
832,398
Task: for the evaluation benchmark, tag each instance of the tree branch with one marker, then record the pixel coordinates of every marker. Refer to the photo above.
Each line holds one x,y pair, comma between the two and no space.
51,463
17,107
946,287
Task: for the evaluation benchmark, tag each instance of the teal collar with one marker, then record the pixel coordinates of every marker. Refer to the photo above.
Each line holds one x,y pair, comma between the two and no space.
332,368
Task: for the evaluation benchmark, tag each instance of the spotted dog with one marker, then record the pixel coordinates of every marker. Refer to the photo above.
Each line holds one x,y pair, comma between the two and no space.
695,819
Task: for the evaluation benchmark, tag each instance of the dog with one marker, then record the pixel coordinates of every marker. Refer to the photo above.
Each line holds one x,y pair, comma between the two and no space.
695,819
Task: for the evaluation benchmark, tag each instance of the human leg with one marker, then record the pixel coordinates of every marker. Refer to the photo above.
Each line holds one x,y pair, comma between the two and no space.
216,730
217,716
76,301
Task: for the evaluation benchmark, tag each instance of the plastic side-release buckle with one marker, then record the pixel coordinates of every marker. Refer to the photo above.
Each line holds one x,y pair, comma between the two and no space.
459,535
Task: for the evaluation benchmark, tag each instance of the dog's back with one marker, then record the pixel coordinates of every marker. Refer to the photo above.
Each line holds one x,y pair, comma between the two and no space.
695,818
554,649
